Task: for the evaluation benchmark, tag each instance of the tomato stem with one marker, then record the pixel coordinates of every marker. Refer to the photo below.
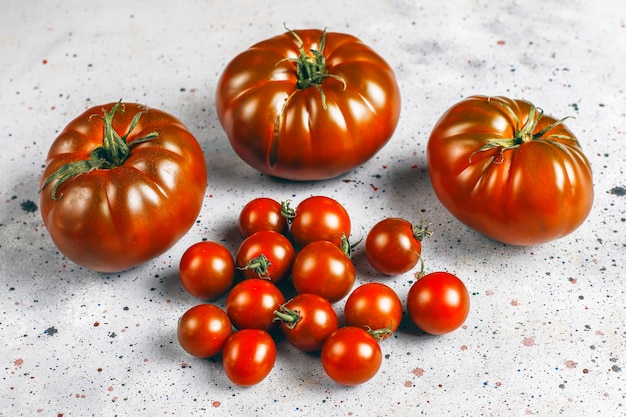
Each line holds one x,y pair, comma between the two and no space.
289,317
380,334
260,265
421,230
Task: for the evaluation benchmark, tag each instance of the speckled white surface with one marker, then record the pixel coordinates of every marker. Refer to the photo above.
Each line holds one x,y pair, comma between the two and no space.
546,333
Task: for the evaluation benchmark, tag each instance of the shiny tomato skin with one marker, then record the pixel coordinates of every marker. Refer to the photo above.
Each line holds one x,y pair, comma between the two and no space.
320,218
351,356
277,250
374,306
392,247
285,131
438,303
207,270
322,268
248,356
530,194
110,220
262,213
203,330
251,304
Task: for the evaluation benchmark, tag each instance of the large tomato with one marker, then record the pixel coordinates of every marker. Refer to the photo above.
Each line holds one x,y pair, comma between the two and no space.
307,104
122,184
508,171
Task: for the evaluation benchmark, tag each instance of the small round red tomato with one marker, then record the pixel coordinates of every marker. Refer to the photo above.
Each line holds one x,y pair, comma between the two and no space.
508,171
249,356
121,188
307,104
262,214
320,218
322,268
376,307
207,270
203,330
394,246
351,356
438,303
265,254
307,320
251,304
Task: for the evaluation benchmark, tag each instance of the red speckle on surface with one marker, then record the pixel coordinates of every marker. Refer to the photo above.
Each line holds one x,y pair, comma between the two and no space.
374,187
216,404
18,362
408,384
413,166
418,371
489,292
96,324
571,364
501,42
529,341
514,303
45,61
384,166
464,347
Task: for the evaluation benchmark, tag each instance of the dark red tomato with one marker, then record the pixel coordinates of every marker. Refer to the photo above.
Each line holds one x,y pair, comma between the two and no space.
438,303
508,171
394,246
307,320
121,188
376,307
262,214
249,356
322,268
265,254
320,218
308,105
207,270
203,330
251,304
351,356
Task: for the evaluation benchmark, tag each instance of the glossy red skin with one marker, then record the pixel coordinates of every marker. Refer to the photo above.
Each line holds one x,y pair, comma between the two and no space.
203,330
207,270
249,356
351,356
277,249
251,303
320,218
317,320
391,248
438,303
322,268
314,143
112,220
538,192
374,306
262,214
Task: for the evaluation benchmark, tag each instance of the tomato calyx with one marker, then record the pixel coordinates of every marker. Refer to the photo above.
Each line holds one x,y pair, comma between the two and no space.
114,151
421,230
289,317
380,334
260,265
287,211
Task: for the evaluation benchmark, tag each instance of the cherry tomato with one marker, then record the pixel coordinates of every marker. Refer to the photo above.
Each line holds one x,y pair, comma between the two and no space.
320,218
251,304
207,270
262,214
438,303
307,320
203,330
265,254
351,356
249,356
508,171
394,246
322,268
376,307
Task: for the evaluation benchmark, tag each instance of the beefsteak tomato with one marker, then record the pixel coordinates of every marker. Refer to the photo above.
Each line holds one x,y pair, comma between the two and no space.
510,172
307,104
121,188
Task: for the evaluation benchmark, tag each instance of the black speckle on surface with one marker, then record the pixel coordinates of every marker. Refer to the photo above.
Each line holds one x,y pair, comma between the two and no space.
618,191
29,206
51,331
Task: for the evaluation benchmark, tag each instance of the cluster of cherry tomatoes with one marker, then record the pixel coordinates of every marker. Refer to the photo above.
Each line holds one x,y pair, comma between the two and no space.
306,252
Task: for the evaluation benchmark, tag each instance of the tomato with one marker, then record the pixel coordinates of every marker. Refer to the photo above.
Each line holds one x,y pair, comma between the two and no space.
251,304
319,218
262,214
376,307
394,246
307,320
438,303
351,356
510,172
207,270
249,356
322,268
121,188
308,105
265,254
203,330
